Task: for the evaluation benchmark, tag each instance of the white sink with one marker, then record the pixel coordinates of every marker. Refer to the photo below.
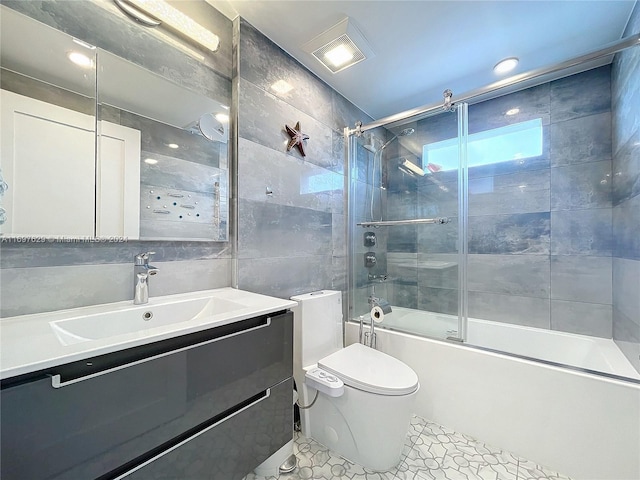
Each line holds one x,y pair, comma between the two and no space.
137,318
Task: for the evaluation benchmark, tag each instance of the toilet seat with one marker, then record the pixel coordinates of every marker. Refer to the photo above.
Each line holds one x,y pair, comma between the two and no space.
370,370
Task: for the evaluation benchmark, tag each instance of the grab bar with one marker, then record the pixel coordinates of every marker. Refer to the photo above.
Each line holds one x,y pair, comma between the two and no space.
389,223
56,381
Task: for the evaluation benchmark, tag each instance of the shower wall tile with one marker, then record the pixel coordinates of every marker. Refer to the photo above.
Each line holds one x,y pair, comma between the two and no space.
434,129
284,277
626,170
582,232
439,300
262,120
401,205
513,193
533,103
580,95
339,273
271,230
581,278
339,235
625,88
518,310
581,186
436,198
438,270
434,238
525,233
626,219
264,64
626,335
403,267
402,238
293,181
581,140
403,295
523,275
626,287
362,201
583,318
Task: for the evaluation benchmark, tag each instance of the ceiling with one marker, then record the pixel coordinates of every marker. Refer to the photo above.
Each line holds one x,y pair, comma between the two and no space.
424,47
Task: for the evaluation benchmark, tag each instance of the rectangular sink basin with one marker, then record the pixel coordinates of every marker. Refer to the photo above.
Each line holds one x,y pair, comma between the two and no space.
137,318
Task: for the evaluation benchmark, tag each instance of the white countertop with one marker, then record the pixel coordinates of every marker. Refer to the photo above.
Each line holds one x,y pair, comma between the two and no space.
28,342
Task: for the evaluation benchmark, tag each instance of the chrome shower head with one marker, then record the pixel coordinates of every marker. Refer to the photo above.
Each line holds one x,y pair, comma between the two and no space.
402,133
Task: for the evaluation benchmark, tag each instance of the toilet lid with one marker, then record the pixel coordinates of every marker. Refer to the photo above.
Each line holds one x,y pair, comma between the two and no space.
367,369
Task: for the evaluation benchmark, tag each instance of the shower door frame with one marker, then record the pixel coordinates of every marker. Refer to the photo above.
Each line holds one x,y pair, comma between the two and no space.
351,143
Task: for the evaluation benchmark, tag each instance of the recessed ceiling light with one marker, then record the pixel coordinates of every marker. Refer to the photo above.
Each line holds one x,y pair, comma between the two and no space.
222,117
173,145
513,111
150,161
505,65
80,59
281,87
339,55
339,47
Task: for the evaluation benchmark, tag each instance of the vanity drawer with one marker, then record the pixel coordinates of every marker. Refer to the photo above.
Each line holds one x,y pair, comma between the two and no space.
87,419
229,448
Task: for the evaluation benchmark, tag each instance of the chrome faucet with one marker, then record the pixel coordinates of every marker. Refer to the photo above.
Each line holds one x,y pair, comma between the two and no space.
141,272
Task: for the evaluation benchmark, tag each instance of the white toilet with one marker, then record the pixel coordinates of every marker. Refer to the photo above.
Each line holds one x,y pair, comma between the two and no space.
364,397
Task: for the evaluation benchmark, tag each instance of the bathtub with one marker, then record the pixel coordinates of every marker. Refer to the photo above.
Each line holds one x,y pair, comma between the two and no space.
567,419
578,351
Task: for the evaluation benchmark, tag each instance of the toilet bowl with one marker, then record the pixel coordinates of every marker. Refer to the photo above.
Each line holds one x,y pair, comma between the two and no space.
361,399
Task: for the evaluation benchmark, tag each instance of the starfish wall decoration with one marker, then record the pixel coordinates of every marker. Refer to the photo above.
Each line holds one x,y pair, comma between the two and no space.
297,138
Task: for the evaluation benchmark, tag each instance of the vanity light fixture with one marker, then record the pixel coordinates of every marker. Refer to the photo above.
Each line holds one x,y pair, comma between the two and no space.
339,47
506,65
153,13
80,59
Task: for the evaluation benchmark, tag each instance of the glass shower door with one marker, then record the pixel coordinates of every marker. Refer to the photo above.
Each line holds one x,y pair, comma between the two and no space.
406,225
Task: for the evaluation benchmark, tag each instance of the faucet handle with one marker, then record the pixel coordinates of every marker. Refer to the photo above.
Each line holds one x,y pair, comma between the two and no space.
143,258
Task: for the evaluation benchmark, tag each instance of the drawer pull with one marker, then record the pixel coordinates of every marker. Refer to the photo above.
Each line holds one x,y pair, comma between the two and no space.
56,381
266,395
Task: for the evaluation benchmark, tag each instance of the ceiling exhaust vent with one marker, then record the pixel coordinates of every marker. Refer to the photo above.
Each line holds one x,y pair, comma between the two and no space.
339,47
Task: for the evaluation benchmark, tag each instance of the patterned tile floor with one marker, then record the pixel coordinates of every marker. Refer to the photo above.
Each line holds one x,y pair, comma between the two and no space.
431,452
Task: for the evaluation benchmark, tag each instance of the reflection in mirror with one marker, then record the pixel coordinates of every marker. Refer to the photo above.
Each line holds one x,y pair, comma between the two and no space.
162,159
47,144
166,146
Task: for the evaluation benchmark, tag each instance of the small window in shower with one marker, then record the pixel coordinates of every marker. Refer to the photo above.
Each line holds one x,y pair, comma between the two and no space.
512,142
314,182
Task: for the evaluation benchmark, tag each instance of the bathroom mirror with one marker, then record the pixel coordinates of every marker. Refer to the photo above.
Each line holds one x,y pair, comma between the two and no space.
166,147
94,146
47,140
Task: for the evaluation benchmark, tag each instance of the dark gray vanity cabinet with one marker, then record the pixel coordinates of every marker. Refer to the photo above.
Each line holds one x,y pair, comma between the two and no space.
208,405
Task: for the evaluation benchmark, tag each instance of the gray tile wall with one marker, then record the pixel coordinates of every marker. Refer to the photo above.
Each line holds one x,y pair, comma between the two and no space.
626,198
294,240
43,277
540,229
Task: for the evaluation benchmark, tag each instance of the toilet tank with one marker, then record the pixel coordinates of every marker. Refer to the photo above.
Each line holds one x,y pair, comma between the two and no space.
317,326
